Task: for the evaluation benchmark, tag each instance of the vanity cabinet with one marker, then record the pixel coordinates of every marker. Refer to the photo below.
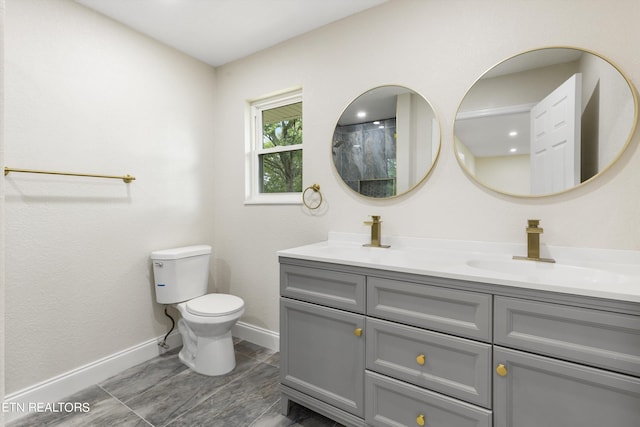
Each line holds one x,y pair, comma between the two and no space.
322,341
567,366
370,347
541,391
428,355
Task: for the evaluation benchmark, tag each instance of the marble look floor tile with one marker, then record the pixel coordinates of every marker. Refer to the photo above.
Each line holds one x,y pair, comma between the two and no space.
92,395
104,410
107,413
253,350
299,416
273,360
239,403
138,379
180,393
164,391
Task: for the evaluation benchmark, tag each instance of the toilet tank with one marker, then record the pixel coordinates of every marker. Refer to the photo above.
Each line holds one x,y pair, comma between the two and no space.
181,274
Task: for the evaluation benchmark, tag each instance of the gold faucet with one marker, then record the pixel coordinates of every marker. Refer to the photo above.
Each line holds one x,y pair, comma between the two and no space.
533,242
376,232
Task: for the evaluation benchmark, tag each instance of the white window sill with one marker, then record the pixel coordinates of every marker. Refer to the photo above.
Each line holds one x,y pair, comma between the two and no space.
275,199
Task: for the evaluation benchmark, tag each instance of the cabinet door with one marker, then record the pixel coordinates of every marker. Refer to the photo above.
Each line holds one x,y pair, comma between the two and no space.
537,391
322,353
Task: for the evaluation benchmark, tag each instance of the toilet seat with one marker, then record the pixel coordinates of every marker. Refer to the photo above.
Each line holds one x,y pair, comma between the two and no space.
214,305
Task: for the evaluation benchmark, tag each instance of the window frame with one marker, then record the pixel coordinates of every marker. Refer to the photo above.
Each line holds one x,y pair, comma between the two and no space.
253,148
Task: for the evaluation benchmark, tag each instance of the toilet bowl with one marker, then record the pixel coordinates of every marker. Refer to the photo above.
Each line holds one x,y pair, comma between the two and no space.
205,326
181,278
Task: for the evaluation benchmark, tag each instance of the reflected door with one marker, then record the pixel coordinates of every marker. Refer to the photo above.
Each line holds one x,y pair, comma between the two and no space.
555,139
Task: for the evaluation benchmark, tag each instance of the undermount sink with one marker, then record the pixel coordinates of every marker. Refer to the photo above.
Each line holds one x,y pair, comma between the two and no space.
545,271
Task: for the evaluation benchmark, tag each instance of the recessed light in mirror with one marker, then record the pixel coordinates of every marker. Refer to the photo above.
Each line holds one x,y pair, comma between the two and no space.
361,114
513,133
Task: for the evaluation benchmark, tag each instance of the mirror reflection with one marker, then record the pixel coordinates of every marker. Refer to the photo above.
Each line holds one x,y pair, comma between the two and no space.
545,121
385,142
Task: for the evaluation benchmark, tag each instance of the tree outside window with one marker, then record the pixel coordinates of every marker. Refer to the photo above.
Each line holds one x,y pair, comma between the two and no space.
281,166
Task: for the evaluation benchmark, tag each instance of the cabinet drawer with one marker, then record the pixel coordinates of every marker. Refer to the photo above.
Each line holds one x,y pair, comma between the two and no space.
540,391
326,287
394,403
454,366
463,313
598,338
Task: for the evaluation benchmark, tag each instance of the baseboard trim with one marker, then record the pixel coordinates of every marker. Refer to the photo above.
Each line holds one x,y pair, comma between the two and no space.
64,385
257,335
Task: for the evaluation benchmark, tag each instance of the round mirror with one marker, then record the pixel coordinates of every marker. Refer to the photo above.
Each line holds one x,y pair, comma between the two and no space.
386,142
545,121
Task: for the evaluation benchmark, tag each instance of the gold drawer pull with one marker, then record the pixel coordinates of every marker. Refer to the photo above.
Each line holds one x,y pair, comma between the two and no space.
358,332
501,370
420,420
420,359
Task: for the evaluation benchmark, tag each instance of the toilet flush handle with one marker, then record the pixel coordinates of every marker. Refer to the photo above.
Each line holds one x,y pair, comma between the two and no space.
158,264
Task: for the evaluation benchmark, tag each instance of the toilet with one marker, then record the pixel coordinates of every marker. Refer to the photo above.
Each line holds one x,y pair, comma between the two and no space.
181,278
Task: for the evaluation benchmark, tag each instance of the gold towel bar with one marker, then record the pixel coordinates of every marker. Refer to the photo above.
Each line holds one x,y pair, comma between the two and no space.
126,178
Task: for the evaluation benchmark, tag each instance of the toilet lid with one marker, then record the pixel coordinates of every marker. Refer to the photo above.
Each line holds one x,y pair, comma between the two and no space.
215,305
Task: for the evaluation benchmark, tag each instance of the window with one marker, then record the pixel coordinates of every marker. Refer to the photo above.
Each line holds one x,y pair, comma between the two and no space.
274,150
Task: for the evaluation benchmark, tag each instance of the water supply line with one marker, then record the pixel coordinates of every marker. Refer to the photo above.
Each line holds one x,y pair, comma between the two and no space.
163,343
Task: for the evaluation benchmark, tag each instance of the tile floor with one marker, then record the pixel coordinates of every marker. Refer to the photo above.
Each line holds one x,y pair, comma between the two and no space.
163,392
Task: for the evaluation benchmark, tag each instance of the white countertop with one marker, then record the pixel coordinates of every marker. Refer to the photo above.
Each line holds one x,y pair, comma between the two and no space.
601,273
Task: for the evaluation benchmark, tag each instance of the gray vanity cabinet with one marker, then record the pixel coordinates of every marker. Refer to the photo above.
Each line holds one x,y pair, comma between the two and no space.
322,341
540,391
368,347
322,356
567,365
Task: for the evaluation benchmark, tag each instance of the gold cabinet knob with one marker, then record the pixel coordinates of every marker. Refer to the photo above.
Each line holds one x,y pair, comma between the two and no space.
420,359
501,370
420,420
358,332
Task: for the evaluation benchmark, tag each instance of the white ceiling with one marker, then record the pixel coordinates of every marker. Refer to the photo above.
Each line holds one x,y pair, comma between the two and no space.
490,135
378,104
221,31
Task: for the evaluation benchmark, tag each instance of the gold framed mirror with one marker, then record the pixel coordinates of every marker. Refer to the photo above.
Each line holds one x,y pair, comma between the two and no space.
386,142
545,121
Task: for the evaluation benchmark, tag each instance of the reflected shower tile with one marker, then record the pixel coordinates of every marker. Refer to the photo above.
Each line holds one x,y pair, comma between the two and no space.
238,403
142,377
178,394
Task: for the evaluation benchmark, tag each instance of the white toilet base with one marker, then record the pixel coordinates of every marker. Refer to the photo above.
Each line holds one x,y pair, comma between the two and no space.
211,356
